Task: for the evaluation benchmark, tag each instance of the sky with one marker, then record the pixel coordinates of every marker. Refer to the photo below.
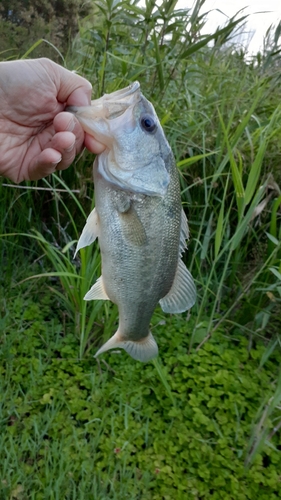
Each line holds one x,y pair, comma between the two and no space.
262,13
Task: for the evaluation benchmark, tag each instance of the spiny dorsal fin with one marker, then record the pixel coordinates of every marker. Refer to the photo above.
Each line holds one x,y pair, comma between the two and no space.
184,232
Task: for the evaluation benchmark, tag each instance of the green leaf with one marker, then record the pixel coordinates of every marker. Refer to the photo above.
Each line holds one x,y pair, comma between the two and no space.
255,172
275,272
193,159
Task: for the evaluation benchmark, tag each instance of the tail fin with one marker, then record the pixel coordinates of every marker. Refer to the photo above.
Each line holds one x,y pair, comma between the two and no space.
141,350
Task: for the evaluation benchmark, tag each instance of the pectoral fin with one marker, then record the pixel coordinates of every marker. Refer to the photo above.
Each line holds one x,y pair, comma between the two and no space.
97,292
90,231
132,227
182,295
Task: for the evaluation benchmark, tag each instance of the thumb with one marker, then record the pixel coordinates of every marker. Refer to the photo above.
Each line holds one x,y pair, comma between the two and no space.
72,89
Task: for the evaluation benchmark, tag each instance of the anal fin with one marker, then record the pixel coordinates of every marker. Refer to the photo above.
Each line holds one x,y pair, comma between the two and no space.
182,294
90,231
97,292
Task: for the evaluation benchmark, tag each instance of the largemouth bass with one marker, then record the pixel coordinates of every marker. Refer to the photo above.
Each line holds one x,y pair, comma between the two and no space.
138,219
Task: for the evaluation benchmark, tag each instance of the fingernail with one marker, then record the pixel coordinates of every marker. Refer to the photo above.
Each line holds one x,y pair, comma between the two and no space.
55,163
71,125
68,150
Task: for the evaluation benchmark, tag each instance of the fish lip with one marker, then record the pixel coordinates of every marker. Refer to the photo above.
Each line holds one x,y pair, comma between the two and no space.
122,93
120,96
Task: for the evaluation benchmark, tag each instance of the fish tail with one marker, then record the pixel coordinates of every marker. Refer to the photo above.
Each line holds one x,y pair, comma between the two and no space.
141,350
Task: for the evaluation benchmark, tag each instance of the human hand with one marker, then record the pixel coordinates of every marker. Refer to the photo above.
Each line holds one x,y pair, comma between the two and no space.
37,136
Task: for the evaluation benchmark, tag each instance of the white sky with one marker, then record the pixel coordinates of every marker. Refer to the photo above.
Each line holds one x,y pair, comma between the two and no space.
262,13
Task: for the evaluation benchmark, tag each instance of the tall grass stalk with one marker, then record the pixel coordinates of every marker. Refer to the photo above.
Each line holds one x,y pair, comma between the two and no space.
247,198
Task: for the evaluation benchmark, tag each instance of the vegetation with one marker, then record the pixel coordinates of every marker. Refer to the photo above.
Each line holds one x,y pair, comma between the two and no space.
71,429
204,419
24,23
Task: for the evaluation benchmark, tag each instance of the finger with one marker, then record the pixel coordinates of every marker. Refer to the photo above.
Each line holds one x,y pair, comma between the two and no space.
71,88
67,122
44,164
65,143
59,155
93,145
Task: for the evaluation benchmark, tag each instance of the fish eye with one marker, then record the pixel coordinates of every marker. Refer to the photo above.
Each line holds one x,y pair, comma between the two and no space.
148,123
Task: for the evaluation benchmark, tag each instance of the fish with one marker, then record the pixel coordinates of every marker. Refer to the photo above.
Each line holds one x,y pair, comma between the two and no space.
138,219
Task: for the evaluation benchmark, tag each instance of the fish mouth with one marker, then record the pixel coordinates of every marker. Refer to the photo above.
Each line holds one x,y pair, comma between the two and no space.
120,94
109,106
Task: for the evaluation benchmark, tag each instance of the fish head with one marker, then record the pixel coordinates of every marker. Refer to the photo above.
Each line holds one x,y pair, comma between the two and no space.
135,158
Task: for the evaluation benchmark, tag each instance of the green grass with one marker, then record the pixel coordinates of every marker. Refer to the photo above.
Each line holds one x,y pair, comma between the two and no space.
204,419
74,428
